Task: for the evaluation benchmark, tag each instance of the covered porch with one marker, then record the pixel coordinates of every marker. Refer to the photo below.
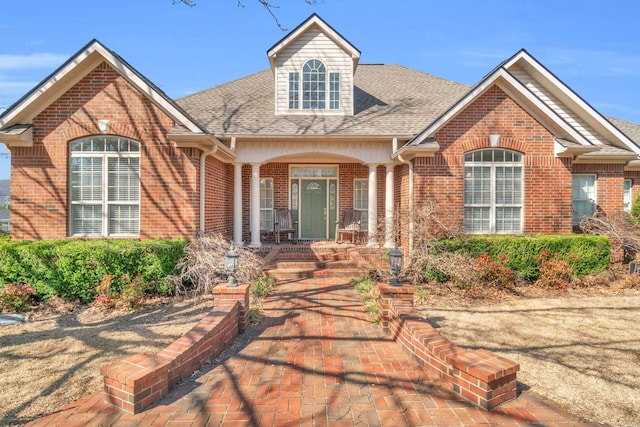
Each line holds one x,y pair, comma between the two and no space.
317,181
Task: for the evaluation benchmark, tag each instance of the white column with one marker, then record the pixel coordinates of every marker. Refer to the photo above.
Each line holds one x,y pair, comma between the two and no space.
237,204
388,208
255,206
373,207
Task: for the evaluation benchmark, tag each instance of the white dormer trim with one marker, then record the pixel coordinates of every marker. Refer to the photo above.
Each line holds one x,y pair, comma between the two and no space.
75,69
314,20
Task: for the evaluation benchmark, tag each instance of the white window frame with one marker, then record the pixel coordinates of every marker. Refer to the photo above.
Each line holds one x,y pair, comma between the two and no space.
358,203
576,215
492,205
326,92
627,198
266,204
104,202
294,90
334,91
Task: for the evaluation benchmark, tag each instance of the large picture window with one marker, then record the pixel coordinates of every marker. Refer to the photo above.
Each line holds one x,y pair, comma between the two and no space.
104,187
493,191
583,196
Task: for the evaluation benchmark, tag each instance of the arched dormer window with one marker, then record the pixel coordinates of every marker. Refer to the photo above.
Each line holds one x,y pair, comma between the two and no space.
104,186
493,191
314,90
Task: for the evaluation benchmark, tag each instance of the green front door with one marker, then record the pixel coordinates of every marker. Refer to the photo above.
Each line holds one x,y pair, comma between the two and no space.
313,209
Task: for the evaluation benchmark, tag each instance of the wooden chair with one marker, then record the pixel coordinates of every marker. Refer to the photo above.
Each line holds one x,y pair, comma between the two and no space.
282,223
350,223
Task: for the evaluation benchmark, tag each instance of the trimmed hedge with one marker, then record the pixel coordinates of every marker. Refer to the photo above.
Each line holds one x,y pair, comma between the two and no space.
72,269
592,251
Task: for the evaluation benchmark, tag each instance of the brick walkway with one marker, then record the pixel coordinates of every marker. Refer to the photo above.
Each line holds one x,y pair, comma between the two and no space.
316,360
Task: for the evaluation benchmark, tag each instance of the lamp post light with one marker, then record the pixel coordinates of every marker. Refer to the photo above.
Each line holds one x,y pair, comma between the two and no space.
395,265
231,265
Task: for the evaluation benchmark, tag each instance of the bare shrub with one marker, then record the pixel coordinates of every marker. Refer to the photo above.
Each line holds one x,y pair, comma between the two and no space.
203,265
427,264
617,228
429,224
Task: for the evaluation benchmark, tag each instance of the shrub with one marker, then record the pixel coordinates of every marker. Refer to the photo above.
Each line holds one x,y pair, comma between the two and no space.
495,272
555,271
202,266
73,269
430,263
16,297
591,252
261,287
369,294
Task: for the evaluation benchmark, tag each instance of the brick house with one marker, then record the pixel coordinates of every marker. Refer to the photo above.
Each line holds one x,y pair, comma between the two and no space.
99,151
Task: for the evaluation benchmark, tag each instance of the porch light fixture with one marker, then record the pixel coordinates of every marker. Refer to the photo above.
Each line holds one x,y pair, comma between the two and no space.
103,125
231,266
494,140
395,265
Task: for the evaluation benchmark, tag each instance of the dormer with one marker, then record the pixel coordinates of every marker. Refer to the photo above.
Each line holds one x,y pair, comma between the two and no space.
313,68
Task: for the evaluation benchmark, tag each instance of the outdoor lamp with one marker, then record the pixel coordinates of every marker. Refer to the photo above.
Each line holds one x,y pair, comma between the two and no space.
395,265
231,265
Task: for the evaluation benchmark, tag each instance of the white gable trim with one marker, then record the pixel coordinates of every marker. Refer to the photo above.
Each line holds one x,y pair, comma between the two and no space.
314,19
582,106
73,71
523,96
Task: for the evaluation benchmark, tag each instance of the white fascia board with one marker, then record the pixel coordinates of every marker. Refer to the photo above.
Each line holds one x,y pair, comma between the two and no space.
21,139
52,82
633,165
81,64
409,152
325,28
574,98
203,142
133,78
513,88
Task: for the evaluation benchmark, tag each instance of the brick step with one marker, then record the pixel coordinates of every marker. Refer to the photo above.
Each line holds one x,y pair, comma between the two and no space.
313,273
312,256
312,265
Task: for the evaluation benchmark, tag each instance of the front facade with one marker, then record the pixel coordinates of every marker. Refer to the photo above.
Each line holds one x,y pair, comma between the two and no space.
99,151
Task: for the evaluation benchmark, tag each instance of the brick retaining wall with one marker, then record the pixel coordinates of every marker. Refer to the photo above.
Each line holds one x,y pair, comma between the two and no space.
479,376
134,383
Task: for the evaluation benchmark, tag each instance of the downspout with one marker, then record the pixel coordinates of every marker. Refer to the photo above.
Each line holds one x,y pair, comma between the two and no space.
203,175
410,164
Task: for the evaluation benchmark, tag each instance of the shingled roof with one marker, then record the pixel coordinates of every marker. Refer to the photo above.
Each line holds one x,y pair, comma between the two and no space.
389,100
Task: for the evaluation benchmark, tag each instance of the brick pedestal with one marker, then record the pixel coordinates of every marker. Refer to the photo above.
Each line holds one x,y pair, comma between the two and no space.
222,292
389,293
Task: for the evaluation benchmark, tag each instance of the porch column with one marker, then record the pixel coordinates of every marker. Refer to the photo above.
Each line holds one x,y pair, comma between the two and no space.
255,206
388,208
237,204
373,206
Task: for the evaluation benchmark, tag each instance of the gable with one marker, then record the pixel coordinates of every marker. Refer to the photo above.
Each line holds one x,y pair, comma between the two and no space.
580,131
16,121
297,92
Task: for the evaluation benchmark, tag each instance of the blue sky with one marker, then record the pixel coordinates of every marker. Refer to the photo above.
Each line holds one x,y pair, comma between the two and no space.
593,46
